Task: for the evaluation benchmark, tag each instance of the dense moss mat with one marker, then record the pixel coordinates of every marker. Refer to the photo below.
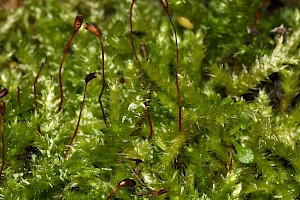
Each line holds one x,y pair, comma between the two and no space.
239,87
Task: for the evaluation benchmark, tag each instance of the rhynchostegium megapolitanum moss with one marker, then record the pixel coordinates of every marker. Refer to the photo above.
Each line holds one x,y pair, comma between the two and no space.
239,84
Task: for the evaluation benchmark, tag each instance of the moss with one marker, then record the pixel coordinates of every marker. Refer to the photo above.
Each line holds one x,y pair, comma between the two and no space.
229,80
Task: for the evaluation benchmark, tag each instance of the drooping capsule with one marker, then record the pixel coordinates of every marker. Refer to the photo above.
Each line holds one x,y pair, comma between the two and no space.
3,92
124,183
91,76
93,29
127,183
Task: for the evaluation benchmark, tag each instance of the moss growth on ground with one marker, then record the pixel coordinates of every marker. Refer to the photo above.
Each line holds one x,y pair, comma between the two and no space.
239,90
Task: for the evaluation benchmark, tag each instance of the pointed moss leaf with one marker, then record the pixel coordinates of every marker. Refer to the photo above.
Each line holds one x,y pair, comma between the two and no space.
226,100
244,120
234,130
245,155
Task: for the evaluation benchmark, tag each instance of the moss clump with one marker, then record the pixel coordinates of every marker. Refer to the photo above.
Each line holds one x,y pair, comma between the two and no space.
239,91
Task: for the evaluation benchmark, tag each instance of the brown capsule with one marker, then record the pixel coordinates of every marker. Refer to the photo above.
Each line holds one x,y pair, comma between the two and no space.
93,29
122,80
3,92
165,5
127,183
124,183
2,108
78,22
91,76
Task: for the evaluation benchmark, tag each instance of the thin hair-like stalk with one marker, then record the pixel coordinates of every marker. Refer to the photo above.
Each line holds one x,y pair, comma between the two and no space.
19,95
134,50
88,78
93,29
230,167
2,110
154,193
166,7
258,13
3,93
77,25
159,192
34,86
147,104
144,53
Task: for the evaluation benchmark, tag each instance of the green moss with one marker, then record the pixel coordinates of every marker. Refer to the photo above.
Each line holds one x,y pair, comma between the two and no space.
233,107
